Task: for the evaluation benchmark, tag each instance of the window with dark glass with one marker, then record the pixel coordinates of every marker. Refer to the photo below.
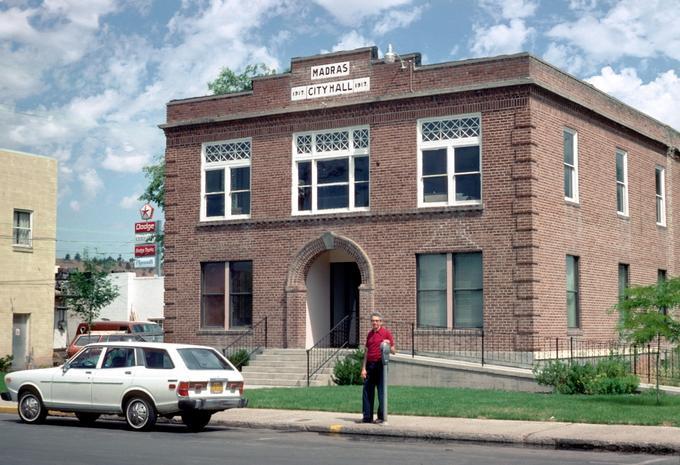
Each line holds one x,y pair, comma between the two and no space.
226,294
463,272
226,180
21,231
661,278
449,164
331,170
573,317
570,149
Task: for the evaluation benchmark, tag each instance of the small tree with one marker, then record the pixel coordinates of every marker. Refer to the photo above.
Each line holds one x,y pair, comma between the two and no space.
67,256
77,257
228,81
87,292
647,313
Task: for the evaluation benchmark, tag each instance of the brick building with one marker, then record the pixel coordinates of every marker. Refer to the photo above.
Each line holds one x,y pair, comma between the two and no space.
499,193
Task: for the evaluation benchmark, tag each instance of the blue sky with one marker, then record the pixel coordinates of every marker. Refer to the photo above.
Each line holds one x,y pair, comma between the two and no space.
86,81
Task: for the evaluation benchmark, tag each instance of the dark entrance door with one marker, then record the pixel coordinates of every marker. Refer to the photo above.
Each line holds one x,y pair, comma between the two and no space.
345,281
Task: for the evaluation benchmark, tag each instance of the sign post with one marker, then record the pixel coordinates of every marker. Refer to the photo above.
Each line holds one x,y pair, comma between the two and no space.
147,252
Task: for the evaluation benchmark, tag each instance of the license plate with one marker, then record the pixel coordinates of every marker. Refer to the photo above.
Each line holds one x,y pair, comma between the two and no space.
216,388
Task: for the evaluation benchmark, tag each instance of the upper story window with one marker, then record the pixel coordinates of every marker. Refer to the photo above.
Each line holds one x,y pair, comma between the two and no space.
570,165
22,235
622,182
225,180
449,161
660,180
331,171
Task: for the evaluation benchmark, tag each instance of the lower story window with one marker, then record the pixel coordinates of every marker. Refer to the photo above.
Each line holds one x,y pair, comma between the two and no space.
226,294
450,290
573,312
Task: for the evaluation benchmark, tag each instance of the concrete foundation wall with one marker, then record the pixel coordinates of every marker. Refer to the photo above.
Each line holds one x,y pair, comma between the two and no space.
407,371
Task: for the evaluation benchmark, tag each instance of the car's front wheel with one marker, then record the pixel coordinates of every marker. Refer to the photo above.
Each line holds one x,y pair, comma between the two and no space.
140,413
196,421
31,408
87,418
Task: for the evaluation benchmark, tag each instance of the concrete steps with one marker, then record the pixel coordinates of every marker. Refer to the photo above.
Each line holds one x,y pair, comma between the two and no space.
285,368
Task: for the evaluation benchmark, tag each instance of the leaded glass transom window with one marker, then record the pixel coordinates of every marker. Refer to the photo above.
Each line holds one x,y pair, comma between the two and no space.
227,151
448,129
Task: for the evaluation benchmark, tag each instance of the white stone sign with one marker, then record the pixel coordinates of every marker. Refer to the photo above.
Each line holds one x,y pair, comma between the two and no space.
330,70
331,89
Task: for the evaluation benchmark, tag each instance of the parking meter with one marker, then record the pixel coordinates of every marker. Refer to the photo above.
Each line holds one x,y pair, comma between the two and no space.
385,357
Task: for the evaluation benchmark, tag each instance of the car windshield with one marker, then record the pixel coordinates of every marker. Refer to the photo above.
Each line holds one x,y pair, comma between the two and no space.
203,359
152,328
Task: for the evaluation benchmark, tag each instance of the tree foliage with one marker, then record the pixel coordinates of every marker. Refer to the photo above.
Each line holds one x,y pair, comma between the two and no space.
155,190
649,313
228,81
88,291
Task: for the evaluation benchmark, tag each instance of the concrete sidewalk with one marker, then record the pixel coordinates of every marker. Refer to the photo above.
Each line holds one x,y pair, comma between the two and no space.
557,435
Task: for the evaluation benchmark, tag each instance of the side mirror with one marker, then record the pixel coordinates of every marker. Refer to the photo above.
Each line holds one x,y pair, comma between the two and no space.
65,367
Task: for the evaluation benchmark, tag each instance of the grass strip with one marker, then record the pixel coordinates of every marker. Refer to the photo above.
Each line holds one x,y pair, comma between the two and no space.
636,409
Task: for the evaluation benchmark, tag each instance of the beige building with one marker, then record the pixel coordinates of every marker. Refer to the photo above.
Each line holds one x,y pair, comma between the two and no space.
28,223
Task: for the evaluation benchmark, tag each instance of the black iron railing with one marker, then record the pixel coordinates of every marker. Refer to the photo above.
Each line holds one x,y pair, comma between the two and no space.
329,346
478,345
243,347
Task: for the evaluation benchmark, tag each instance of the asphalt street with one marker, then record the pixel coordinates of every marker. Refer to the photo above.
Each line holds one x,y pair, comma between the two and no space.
64,441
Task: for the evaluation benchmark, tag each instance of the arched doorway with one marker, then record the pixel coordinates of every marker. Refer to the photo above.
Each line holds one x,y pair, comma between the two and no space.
329,279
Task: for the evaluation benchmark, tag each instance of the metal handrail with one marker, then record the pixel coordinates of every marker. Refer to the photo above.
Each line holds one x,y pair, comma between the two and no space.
339,331
248,341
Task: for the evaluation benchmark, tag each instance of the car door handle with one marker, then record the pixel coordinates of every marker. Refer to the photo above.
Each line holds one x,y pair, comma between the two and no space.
88,372
128,372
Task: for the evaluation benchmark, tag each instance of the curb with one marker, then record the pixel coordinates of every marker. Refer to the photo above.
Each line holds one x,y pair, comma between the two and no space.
481,438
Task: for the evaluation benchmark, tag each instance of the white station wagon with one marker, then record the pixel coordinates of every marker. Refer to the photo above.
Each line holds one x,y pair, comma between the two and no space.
138,380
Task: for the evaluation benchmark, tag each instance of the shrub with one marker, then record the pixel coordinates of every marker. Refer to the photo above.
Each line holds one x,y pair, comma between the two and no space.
348,370
240,358
607,376
6,363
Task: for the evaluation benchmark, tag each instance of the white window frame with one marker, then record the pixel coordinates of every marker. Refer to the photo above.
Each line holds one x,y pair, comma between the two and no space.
227,166
623,183
574,167
450,145
30,228
660,197
351,153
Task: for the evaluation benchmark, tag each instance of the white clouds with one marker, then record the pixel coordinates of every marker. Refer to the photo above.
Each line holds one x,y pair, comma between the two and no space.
74,205
351,12
630,28
91,182
352,40
564,57
125,162
395,19
130,201
501,38
509,9
658,98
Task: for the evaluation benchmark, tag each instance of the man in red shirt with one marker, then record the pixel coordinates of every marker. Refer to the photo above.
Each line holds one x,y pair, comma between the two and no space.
372,368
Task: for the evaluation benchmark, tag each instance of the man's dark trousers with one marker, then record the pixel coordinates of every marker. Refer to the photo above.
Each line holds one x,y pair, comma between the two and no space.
374,378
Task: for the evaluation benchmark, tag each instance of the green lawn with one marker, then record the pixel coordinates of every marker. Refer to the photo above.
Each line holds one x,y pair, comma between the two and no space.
471,403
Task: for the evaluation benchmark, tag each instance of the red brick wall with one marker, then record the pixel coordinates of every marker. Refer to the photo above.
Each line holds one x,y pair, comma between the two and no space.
524,229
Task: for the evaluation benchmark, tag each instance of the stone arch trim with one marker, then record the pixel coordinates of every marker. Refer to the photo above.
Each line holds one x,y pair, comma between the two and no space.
299,266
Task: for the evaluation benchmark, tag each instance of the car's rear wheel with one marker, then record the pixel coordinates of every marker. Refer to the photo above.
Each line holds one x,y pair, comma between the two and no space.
31,408
87,418
140,413
196,421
